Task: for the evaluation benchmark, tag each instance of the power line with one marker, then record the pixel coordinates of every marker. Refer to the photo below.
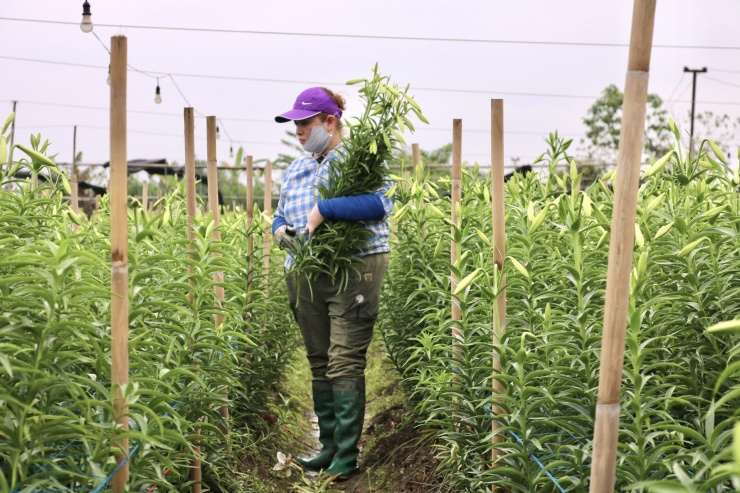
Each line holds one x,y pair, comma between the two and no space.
240,141
143,112
292,81
378,37
150,74
144,132
721,81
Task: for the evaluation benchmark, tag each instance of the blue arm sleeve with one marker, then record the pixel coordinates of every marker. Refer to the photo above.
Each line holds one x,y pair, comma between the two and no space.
277,221
366,207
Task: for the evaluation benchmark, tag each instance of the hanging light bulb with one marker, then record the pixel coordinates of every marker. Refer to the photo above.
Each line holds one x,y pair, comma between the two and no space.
218,133
157,95
86,25
108,80
231,151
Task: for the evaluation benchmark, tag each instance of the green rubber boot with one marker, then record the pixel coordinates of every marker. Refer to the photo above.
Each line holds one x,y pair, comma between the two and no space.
323,406
349,409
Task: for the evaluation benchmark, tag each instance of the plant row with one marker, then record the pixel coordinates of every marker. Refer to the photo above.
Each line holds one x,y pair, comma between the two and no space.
681,384
185,368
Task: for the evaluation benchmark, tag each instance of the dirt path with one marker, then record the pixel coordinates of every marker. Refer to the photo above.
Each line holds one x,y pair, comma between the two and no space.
393,456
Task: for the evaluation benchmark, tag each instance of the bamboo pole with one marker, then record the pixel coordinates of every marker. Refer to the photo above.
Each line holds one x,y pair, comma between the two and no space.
196,475
12,135
498,211
455,247
419,173
606,433
250,208
145,197
213,206
74,199
250,240
218,276
268,234
119,255
416,160
190,199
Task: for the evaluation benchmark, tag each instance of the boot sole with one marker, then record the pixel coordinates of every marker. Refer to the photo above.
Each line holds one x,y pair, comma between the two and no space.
310,467
339,478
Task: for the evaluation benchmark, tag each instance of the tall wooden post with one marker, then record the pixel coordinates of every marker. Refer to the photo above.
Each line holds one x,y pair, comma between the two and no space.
145,197
606,433
12,134
190,197
213,206
250,207
74,151
74,199
119,254
419,174
268,234
498,212
416,160
196,475
456,220
250,239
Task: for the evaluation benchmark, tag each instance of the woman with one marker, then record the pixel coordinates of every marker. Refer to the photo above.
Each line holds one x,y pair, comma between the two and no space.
337,327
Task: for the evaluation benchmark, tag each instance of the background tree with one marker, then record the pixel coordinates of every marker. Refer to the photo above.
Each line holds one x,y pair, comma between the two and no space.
720,129
604,122
441,155
295,149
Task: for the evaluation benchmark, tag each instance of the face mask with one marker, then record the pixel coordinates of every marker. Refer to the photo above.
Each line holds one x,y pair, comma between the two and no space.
318,141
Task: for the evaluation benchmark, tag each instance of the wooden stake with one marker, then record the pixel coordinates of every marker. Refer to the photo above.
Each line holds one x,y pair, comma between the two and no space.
498,209
419,174
603,468
196,475
74,199
119,254
145,197
190,198
268,234
250,208
416,160
250,240
213,206
159,197
455,247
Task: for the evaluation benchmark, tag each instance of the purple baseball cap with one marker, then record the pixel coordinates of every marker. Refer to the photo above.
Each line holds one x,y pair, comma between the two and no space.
310,103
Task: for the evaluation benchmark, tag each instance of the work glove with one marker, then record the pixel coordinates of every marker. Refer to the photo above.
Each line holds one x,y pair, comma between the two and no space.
284,235
313,221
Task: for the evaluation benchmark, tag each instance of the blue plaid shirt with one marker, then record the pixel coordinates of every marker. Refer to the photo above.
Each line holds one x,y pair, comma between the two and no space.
299,193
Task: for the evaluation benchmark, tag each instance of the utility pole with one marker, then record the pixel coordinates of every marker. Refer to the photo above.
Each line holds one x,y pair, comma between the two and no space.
693,101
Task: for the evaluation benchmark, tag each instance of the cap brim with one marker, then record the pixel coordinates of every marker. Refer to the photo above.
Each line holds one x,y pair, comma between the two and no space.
295,115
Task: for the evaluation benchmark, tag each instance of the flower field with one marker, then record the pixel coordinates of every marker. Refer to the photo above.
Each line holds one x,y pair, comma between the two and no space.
55,341
681,384
202,370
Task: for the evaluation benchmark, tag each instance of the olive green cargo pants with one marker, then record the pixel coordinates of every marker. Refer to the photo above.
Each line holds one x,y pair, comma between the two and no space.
337,328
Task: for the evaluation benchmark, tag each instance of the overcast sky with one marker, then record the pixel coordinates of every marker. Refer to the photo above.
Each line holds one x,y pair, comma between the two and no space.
275,49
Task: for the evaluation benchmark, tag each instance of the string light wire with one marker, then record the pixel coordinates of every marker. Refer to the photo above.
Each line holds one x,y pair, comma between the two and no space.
329,83
379,37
